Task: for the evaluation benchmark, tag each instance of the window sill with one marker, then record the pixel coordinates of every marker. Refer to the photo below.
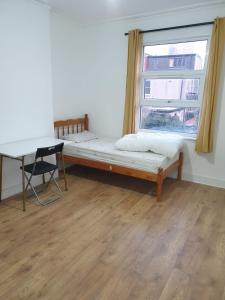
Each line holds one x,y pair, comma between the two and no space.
189,137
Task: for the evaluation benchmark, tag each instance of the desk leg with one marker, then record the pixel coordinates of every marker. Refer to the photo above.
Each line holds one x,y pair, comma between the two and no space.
1,167
23,185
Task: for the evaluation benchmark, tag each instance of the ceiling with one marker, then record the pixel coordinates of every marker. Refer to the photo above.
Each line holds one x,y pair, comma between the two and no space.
92,11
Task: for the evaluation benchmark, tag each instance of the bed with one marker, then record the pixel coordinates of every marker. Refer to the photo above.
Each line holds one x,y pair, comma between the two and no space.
101,154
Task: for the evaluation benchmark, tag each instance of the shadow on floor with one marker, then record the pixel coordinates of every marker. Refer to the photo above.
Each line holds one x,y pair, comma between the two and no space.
127,182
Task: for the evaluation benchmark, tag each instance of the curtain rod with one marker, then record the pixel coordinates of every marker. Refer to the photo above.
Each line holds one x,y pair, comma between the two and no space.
175,27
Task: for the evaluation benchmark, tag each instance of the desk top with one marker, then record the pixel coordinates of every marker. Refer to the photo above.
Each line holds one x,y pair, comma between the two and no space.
26,147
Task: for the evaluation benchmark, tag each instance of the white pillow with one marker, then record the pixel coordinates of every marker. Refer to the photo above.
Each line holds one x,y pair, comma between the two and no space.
80,137
165,144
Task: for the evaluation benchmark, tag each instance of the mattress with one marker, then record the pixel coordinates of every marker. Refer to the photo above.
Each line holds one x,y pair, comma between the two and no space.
103,150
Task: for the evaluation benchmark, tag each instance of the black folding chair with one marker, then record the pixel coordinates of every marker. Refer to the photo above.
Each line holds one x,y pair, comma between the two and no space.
42,167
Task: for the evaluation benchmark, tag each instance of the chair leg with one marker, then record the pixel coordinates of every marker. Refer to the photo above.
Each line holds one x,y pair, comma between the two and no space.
32,187
43,178
35,193
28,181
29,184
57,185
55,182
51,176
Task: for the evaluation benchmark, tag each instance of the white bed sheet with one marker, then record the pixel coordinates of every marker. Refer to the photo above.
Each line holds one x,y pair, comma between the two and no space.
103,149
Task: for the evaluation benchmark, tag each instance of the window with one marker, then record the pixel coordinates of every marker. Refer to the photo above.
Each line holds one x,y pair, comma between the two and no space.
172,82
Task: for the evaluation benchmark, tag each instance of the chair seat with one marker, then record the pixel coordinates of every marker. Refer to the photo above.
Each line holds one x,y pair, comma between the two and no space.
42,167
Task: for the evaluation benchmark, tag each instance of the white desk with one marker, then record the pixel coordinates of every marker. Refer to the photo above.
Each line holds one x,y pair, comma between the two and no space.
18,150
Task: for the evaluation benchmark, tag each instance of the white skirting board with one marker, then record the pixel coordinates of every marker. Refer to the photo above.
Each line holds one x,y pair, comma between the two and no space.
10,191
204,180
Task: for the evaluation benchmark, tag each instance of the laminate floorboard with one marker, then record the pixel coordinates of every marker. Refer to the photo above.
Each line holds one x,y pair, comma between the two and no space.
107,238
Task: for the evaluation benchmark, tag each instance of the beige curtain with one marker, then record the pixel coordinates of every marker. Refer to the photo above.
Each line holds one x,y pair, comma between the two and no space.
132,86
204,141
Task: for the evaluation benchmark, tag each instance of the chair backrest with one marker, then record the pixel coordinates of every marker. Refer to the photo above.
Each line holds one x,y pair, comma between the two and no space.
47,151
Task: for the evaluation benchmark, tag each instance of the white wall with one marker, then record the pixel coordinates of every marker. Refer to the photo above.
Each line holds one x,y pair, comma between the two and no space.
98,88
67,68
25,78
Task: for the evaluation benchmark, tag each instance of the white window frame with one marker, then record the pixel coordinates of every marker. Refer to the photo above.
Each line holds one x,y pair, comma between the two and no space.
186,74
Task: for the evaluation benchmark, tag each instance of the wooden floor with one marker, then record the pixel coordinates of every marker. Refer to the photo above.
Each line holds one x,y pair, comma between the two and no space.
109,239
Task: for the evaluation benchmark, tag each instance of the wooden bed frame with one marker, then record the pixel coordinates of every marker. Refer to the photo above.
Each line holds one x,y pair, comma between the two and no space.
81,124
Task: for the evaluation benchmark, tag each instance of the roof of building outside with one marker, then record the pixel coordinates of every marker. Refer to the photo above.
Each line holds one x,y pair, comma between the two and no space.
172,55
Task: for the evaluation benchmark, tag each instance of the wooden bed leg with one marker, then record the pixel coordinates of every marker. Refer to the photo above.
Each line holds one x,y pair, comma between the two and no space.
179,171
159,184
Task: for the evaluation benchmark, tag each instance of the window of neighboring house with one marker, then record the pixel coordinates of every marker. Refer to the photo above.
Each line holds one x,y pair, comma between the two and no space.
147,87
172,83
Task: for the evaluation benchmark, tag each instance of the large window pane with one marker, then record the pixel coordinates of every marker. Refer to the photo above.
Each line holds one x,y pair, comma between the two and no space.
171,89
174,119
178,56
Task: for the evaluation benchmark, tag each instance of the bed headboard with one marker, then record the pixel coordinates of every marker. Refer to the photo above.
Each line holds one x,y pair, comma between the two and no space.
71,126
